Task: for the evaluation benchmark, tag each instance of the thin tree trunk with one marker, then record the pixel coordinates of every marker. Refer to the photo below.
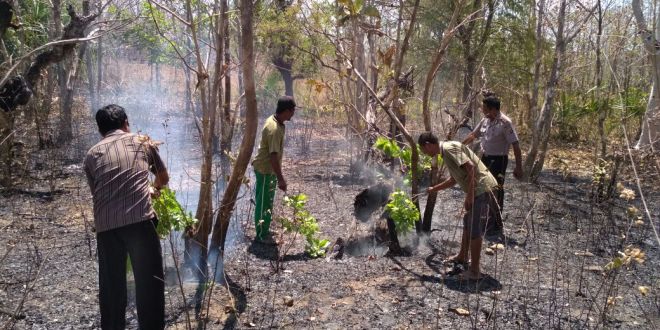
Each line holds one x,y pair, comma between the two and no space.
600,102
540,137
66,110
250,133
204,211
650,130
227,132
426,109
538,60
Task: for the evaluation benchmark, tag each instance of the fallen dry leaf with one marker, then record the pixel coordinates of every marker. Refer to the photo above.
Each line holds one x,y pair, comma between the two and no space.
644,290
489,251
497,246
594,268
460,311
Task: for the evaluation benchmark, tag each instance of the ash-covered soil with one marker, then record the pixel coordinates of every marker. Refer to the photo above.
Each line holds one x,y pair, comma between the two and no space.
549,274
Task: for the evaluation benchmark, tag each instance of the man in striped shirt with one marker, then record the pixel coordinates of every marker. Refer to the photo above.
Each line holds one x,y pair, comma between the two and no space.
117,170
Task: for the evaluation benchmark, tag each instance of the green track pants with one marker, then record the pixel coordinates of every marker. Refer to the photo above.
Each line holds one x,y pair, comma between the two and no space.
265,194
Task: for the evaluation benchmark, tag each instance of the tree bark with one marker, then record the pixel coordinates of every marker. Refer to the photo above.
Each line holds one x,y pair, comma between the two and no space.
197,247
650,136
538,60
247,144
541,134
447,35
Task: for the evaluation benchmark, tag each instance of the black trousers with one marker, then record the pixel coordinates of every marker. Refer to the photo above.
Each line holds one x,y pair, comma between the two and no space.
497,167
141,243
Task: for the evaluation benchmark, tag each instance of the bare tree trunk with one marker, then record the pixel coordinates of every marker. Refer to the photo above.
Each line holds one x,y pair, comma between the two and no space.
447,35
198,246
541,134
250,133
99,71
601,103
227,120
471,53
66,108
650,136
538,60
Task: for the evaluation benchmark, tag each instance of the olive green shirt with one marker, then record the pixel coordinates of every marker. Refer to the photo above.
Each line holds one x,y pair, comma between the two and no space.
272,140
454,154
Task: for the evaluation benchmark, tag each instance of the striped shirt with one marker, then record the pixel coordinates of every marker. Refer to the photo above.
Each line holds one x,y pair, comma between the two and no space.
117,170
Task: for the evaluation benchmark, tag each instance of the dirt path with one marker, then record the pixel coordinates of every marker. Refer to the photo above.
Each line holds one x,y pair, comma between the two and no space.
548,275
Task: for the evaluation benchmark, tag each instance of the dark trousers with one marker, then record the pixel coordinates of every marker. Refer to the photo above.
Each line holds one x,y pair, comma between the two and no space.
141,243
497,167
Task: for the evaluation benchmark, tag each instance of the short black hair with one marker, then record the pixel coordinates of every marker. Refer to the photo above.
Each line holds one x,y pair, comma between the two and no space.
427,137
491,101
285,103
110,117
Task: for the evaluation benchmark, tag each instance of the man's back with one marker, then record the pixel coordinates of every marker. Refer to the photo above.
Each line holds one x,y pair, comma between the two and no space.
118,172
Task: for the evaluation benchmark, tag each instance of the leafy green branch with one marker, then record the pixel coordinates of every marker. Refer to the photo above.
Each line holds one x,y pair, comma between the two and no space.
391,148
305,224
171,215
402,211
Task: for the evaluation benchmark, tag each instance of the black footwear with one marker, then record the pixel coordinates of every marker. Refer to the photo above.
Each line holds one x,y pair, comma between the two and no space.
266,241
494,234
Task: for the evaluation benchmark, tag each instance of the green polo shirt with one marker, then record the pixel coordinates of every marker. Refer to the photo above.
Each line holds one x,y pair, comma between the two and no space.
455,154
272,140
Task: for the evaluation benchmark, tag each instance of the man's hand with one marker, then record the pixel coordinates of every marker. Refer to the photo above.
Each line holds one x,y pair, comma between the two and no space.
154,192
468,202
518,172
430,190
281,183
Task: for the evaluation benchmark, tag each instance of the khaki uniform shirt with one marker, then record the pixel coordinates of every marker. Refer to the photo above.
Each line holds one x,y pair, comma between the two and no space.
272,140
454,154
496,135
117,170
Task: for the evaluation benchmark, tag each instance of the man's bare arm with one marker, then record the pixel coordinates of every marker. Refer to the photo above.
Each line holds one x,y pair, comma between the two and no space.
470,138
277,168
517,171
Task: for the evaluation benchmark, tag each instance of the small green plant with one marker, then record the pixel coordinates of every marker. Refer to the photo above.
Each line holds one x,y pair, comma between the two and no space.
390,148
402,211
171,215
305,224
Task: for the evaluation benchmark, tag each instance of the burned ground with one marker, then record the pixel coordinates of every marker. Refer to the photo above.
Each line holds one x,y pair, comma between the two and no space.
549,274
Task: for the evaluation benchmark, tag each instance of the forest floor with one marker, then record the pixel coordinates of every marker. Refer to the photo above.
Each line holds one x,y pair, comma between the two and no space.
549,273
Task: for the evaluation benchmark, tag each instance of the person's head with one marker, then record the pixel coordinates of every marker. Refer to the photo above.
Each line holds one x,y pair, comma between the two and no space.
490,106
110,118
429,144
286,107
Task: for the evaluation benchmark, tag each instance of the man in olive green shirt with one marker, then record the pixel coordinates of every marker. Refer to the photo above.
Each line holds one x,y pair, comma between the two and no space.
478,183
268,166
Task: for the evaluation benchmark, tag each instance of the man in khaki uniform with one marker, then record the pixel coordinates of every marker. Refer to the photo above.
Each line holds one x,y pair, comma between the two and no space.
268,166
478,183
497,136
